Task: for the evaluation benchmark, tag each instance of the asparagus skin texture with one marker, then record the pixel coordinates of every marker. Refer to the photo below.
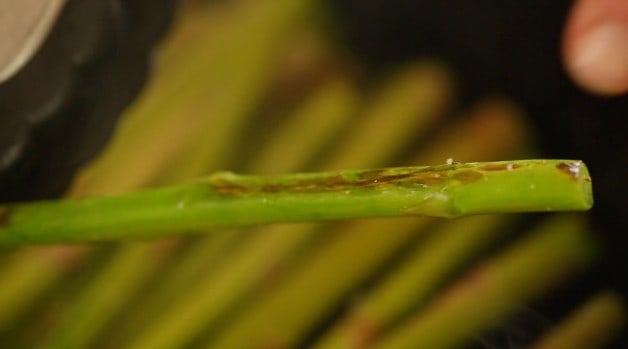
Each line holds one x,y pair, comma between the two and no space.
227,200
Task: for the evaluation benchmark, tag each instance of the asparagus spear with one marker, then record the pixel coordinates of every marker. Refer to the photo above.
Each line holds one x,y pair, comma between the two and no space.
402,112
177,88
555,250
320,118
230,200
446,249
217,294
27,274
110,287
591,326
494,127
314,288
211,89
193,274
357,250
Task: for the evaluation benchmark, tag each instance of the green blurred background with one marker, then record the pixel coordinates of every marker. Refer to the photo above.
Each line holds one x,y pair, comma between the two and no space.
269,86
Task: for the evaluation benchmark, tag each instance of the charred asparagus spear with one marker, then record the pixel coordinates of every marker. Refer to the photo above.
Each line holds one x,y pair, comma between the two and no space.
228,200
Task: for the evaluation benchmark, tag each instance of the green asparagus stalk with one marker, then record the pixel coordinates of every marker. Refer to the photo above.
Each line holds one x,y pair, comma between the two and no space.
110,287
249,329
323,115
590,327
404,110
161,114
28,273
443,252
212,298
314,288
243,71
161,102
356,254
320,119
494,128
237,70
558,248
216,295
211,91
229,200
308,61
202,258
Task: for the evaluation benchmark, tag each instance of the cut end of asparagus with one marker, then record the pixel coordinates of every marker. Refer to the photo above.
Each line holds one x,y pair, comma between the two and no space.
525,186
579,173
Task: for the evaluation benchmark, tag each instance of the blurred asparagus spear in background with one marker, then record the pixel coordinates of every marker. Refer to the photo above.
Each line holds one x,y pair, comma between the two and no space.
322,117
246,276
151,123
252,327
149,143
492,129
26,275
331,106
103,295
410,284
215,295
524,272
590,327
371,243
445,250
211,90
401,113
194,25
355,252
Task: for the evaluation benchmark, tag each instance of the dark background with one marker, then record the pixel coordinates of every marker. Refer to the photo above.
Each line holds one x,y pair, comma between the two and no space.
512,48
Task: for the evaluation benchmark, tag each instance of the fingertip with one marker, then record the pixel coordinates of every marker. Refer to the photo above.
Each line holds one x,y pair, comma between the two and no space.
595,47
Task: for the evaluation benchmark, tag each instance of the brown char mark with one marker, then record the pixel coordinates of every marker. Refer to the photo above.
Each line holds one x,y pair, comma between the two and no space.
468,176
428,179
369,179
5,216
230,189
370,175
499,167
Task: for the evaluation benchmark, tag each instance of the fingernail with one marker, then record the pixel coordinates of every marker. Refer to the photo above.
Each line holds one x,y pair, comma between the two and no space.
600,60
